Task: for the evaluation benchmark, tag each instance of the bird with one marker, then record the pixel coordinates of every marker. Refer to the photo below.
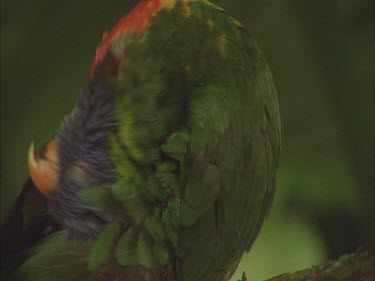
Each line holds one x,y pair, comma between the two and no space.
166,168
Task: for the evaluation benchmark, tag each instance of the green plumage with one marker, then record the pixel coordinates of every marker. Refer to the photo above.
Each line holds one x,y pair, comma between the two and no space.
204,104
195,153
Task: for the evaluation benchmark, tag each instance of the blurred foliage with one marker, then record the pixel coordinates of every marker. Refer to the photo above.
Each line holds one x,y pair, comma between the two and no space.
321,54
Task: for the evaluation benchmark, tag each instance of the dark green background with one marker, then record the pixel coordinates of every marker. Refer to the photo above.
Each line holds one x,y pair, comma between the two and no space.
321,54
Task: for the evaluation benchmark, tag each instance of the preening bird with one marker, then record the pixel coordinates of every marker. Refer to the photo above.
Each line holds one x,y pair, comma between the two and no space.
165,169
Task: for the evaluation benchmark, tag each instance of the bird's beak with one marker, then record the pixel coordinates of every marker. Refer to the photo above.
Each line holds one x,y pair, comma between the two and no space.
43,167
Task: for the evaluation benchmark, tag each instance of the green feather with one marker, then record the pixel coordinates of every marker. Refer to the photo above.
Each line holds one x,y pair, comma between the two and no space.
126,251
194,154
55,259
215,149
103,246
202,189
144,250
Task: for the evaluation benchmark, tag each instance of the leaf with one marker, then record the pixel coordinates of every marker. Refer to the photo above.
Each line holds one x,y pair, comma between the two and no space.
103,246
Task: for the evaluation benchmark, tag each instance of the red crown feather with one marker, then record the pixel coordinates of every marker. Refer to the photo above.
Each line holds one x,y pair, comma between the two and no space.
136,21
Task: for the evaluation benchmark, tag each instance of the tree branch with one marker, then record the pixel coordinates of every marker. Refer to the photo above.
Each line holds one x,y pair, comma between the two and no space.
353,267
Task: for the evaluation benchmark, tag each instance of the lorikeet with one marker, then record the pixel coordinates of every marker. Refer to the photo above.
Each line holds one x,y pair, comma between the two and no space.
165,170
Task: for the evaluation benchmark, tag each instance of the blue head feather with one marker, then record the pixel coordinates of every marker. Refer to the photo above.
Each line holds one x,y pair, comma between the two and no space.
82,147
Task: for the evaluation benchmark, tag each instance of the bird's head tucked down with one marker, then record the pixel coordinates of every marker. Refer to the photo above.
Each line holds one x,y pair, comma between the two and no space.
77,158
168,160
